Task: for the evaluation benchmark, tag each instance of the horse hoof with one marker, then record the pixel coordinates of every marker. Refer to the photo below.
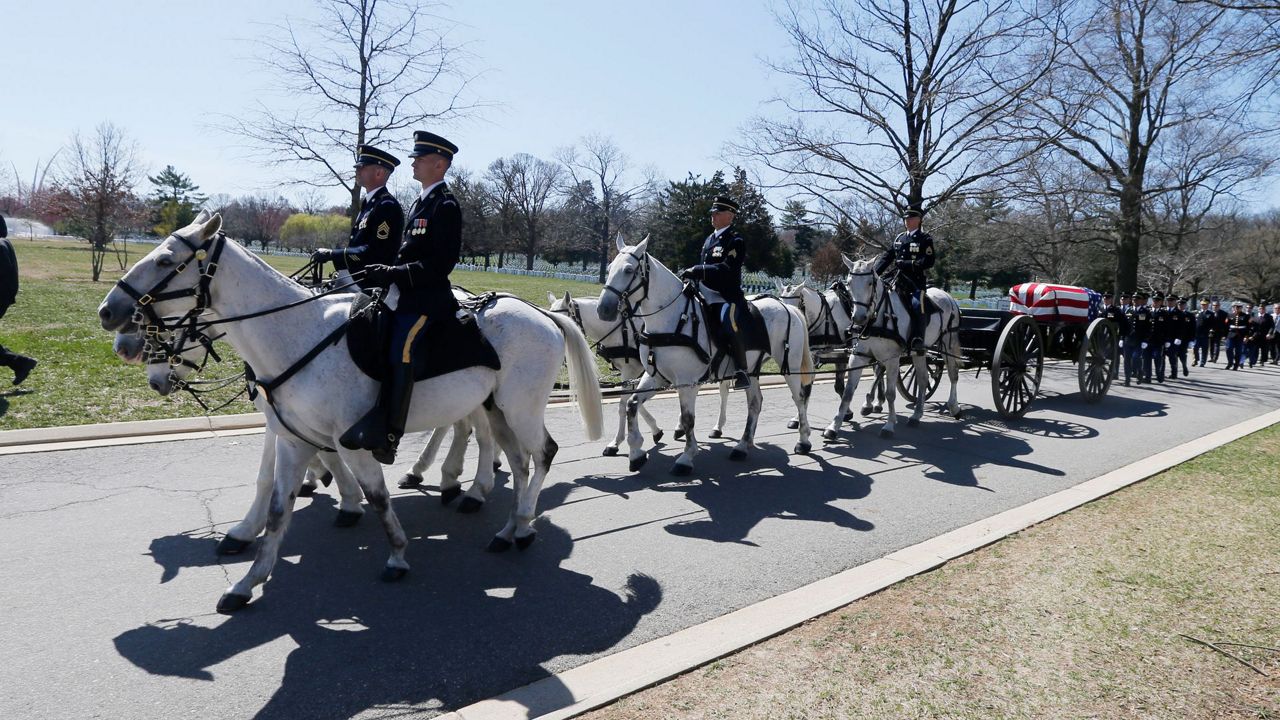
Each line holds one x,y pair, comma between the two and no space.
793,424
657,436
450,494
738,454
803,448
409,481
497,545
391,573
878,408
609,451
326,479
886,433
679,435
715,433
306,491
470,505
637,463
522,543
866,412
346,518
231,602
681,470
232,546
830,435
913,422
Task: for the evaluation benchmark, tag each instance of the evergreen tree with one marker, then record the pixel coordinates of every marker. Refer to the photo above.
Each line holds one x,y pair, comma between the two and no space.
175,201
795,218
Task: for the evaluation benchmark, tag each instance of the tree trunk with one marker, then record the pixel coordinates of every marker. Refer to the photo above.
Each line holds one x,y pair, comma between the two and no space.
1129,240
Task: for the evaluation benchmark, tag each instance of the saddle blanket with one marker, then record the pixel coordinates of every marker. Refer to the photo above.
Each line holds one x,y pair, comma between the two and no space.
449,346
1055,303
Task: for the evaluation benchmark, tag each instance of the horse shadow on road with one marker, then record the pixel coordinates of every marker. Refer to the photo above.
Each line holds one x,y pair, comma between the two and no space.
737,496
464,625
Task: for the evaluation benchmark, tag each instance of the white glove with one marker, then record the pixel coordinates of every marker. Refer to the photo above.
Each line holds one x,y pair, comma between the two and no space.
1122,343
1191,344
1166,345
1144,346
1177,342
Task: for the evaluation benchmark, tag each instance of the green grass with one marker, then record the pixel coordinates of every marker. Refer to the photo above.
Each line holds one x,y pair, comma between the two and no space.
79,379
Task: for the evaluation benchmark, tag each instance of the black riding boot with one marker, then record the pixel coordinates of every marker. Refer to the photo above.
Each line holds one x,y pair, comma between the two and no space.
380,429
914,340
740,377
21,364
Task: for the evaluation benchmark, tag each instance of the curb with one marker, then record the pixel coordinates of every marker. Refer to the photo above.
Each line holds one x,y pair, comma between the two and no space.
138,432
603,681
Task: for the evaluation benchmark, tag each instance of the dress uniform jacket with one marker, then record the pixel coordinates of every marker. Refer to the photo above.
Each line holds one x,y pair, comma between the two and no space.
1207,323
1117,316
1140,321
720,265
1159,327
432,245
375,234
1237,326
8,275
912,254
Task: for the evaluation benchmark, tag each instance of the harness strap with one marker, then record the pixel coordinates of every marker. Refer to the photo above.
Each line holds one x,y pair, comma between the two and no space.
268,388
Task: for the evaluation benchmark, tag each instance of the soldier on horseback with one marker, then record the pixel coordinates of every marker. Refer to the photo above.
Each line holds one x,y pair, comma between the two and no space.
432,244
721,272
911,254
377,229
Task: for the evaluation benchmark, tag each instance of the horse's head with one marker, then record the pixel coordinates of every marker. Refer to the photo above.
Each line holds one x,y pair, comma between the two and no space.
799,296
560,304
627,274
863,284
165,279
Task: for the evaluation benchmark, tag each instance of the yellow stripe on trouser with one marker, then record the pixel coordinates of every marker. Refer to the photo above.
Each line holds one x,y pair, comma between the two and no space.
405,356
733,317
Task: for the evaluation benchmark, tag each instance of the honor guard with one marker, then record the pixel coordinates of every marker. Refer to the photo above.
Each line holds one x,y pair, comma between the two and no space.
378,227
1135,343
20,364
720,270
1115,314
911,254
1237,328
1218,331
1204,326
1159,341
1185,335
431,245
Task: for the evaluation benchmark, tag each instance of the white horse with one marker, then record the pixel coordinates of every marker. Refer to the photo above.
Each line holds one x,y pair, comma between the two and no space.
131,346
639,285
273,322
884,320
619,344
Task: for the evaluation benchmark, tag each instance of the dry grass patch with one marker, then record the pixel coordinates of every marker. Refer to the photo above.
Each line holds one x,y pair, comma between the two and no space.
1079,617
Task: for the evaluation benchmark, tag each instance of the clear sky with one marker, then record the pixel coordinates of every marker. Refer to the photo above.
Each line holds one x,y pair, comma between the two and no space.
670,81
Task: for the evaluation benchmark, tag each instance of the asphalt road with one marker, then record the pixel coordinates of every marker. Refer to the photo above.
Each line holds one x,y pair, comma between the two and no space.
110,577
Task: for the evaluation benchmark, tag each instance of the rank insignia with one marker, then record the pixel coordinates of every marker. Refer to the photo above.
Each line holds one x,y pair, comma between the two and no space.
384,231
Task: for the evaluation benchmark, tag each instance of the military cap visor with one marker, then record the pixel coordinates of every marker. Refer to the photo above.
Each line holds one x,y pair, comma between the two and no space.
912,213
722,203
425,143
370,155
1107,295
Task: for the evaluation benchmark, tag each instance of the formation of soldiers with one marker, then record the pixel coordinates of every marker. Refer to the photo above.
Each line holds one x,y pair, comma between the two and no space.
1157,332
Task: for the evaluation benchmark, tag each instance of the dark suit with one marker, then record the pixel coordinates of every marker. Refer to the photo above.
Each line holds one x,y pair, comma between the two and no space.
431,247
375,234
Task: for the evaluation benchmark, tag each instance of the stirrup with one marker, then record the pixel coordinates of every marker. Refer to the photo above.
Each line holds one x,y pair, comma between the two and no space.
741,379
917,346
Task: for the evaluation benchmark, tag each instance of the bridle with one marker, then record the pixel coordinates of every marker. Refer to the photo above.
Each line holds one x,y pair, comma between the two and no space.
639,283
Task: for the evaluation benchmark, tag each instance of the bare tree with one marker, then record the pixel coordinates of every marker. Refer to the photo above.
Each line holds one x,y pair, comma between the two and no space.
598,163
256,219
1131,72
97,177
900,103
367,71
525,187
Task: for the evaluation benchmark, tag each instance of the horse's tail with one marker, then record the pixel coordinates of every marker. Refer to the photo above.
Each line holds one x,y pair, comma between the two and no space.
584,382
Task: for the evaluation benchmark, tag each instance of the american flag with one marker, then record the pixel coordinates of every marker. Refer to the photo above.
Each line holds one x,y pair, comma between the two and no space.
1055,303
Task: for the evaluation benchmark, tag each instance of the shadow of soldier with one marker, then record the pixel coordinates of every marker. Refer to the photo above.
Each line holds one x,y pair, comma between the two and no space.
464,625
737,496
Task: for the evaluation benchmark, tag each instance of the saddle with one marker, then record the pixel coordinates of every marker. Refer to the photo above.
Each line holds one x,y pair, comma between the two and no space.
461,342
751,328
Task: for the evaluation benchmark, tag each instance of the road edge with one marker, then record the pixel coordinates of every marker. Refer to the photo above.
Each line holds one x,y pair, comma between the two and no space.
607,679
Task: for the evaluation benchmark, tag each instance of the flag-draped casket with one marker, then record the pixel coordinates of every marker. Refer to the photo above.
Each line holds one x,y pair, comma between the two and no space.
1055,303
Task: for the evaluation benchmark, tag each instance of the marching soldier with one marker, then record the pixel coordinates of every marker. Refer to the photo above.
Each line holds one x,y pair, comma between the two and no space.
1275,334
20,364
1186,333
1237,328
1259,326
720,270
911,254
1205,324
1136,341
377,229
432,244
1159,339
1115,314
1218,331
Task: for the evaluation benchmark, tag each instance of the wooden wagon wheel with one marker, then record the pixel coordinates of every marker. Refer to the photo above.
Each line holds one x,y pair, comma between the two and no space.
1016,366
1096,365
907,383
